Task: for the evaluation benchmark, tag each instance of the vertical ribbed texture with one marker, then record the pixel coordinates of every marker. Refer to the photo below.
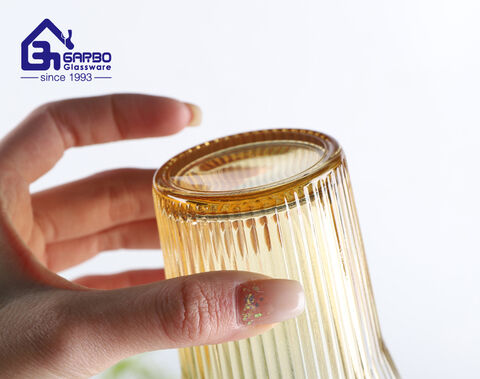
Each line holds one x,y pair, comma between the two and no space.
314,239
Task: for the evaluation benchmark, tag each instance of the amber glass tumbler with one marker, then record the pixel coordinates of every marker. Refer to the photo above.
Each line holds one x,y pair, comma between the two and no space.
277,202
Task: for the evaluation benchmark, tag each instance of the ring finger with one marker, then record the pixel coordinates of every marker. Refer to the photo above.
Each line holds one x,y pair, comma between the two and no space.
134,235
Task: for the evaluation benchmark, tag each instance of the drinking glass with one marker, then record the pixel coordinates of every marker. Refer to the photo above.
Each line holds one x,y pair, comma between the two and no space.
278,202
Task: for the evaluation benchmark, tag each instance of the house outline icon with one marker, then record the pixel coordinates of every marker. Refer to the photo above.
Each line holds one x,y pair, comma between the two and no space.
45,55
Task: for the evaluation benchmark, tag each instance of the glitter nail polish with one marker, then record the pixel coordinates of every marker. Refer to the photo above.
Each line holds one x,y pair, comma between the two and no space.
269,301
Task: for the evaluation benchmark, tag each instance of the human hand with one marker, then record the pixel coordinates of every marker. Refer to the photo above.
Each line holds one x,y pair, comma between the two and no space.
50,327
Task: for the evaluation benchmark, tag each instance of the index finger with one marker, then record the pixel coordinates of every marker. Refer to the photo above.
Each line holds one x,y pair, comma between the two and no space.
33,147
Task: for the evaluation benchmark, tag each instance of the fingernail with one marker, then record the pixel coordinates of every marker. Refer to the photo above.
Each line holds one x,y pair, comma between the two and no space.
196,114
269,301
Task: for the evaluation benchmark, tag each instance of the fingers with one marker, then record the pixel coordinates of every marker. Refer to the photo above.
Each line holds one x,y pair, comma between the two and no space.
199,309
134,235
121,280
39,141
94,203
18,268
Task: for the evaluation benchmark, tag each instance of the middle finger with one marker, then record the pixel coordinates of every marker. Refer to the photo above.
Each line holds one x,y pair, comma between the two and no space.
97,202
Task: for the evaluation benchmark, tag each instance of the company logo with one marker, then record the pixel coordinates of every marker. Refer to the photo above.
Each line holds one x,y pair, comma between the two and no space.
73,66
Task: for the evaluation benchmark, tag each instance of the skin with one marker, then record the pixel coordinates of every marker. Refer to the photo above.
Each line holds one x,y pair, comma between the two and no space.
51,327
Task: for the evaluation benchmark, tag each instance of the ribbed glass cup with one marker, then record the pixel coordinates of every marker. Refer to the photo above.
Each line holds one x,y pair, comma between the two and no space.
277,202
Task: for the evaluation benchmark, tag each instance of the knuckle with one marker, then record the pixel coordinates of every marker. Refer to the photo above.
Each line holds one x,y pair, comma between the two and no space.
118,118
59,122
126,193
193,315
121,200
42,109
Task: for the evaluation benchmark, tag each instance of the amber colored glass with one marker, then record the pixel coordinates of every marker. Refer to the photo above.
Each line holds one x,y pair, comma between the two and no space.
278,202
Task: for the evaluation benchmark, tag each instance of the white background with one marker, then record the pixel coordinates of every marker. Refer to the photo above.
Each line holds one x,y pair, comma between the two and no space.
396,82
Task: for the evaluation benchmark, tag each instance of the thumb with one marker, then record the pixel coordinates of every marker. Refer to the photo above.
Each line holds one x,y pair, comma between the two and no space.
199,309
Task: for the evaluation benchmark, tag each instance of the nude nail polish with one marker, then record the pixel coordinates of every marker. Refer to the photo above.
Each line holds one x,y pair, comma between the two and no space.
269,301
196,114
